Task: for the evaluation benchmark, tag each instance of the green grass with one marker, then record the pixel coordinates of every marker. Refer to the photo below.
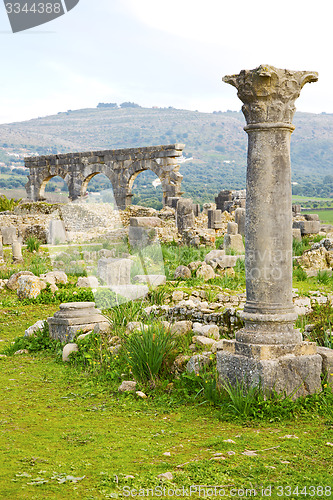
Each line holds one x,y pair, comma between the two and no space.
67,433
325,216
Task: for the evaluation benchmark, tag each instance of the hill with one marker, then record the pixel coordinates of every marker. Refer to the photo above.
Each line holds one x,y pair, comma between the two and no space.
215,141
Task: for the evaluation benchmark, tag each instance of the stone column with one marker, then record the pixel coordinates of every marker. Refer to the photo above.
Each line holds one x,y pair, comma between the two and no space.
268,95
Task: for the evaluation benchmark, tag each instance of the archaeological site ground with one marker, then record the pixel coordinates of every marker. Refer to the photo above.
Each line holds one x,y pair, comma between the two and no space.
185,351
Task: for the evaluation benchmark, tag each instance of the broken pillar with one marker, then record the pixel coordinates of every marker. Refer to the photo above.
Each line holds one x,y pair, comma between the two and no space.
268,350
184,214
214,219
222,198
240,220
232,239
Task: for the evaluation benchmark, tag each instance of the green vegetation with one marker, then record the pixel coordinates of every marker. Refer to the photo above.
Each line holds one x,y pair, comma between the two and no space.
67,432
7,204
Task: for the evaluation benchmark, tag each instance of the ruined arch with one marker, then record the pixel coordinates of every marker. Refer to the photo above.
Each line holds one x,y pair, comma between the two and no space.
120,166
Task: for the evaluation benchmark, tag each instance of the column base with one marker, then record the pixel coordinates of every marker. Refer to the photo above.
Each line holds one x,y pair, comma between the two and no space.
269,329
292,369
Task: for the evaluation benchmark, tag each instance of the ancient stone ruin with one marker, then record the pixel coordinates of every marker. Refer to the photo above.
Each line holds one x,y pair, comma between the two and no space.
269,350
121,166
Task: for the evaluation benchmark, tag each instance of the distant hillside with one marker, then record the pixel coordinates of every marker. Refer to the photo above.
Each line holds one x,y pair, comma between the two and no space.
216,141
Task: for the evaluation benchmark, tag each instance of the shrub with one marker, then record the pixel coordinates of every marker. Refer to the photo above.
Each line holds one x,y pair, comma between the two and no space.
40,341
300,274
33,244
149,352
8,204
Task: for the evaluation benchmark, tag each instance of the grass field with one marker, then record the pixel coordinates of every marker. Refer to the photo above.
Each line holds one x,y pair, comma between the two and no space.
325,216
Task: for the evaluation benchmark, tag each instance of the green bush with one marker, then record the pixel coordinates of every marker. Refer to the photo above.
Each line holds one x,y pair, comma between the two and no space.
8,204
33,244
150,352
40,341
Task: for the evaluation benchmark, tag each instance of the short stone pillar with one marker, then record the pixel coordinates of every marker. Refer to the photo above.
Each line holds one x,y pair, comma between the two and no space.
222,198
196,209
232,239
184,214
73,317
240,220
296,209
214,219
268,350
17,251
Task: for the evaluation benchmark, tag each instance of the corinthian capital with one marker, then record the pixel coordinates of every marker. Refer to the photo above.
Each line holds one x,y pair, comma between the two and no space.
269,93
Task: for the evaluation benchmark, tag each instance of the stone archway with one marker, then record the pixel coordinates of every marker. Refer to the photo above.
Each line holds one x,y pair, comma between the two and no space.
120,166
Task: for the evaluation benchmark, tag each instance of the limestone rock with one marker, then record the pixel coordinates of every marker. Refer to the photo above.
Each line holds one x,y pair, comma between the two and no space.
206,272
197,362
29,287
181,328
200,340
127,386
67,350
327,367
182,272
151,280
211,331
166,476
193,266
87,282
39,325
12,283
177,295
141,394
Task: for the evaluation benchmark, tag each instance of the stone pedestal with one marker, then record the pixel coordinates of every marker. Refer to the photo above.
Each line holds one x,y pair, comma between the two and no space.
268,95
74,317
184,214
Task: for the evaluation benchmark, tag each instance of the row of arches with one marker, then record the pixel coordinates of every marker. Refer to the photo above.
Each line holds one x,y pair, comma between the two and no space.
145,189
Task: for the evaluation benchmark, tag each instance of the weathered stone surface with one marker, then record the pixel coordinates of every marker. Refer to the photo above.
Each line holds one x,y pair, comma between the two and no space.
327,367
181,327
127,386
56,232
39,325
184,214
146,222
269,95
234,242
67,351
206,272
207,330
17,251
9,235
240,220
118,165
12,283
87,282
307,226
182,272
297,235
293,375
197,362
115,272
201,340
73,317
152,280
28,287
129,292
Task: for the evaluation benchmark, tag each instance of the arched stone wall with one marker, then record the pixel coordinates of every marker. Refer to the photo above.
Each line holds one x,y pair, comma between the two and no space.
119,166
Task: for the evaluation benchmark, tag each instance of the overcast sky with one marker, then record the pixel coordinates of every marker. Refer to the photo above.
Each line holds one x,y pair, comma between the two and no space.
162,53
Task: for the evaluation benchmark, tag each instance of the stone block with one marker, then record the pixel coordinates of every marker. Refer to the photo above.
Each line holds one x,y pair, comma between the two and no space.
147,222
196,209
129,292
214,219
240,214
297,235
17,251
140,237
152,280
232,228
327,368
87,282
13,284
9,235
57,232
28,287
311,217
197,362
73,317
293,375
114,272
307,226
213,256
234,242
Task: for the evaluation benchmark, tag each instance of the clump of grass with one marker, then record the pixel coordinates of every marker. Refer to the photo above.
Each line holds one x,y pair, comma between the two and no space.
39,341
150,352
322,318
323,277
300,274
299,247
33,244
7,204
